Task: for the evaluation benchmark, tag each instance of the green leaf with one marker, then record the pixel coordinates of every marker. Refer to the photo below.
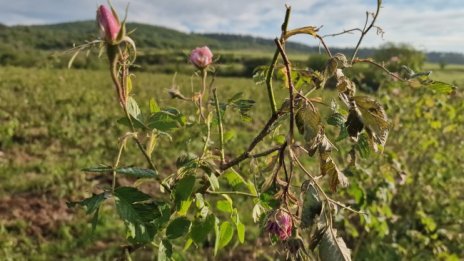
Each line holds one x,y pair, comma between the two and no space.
138,124
166,119
223,236
235,98
154,106
441,87
312,205
336,119
213,180
229,135
333,249
133,108
101,169
137,172
244,106
241,232
239,225
224,206
91,204
362,146
177,228
201,229
164,250
182,192
233,178
259,74
128,171
138,216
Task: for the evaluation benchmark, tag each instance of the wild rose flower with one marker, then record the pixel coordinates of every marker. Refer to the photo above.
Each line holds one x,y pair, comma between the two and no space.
280,224
108,24
201,57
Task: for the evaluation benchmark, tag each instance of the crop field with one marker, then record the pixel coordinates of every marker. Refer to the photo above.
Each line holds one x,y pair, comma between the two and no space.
55,122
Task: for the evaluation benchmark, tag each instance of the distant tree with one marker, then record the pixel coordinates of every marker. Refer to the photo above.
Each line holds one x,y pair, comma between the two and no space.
442,64
318,61
397,55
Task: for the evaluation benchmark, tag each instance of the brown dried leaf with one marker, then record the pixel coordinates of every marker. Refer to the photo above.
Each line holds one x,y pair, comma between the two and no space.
336,177
308,122
374,118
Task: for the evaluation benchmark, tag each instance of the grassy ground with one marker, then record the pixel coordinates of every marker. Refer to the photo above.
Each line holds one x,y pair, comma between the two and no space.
452,73
56,122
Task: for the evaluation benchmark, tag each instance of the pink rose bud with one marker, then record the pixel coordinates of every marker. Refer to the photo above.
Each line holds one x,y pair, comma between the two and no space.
108,23
201,57
280,224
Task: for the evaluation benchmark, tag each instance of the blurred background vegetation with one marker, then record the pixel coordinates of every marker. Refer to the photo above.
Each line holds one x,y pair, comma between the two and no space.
54,122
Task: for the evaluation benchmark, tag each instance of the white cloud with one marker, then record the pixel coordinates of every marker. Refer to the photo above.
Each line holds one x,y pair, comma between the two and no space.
426,24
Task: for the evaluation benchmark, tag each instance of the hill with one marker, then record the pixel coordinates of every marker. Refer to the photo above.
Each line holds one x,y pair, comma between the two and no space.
62,36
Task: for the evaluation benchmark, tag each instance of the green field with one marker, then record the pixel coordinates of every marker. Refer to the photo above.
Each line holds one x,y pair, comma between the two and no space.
54,122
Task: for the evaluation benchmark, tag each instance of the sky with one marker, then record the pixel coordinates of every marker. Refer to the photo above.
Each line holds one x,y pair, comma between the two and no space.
428,25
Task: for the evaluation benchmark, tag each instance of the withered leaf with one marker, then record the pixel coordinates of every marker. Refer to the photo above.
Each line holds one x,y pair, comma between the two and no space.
354,124
341,60
336,177
373,116
308,122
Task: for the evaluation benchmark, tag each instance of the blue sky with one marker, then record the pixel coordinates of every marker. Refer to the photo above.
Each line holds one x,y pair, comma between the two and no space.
429,25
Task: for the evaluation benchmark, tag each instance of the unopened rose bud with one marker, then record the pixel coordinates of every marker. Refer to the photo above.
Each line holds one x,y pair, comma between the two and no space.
201,57
108,24
280,224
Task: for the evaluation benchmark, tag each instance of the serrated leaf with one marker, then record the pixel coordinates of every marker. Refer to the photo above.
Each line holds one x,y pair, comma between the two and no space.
138,124
373,117
166,119
91,204
223,236
333,249
259,74
177,228
441,87
244,106
201,229
138,215
362,146
312,205
336,119
336,177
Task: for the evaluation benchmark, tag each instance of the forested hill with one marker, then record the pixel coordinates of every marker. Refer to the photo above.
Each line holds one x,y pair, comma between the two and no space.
64,35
